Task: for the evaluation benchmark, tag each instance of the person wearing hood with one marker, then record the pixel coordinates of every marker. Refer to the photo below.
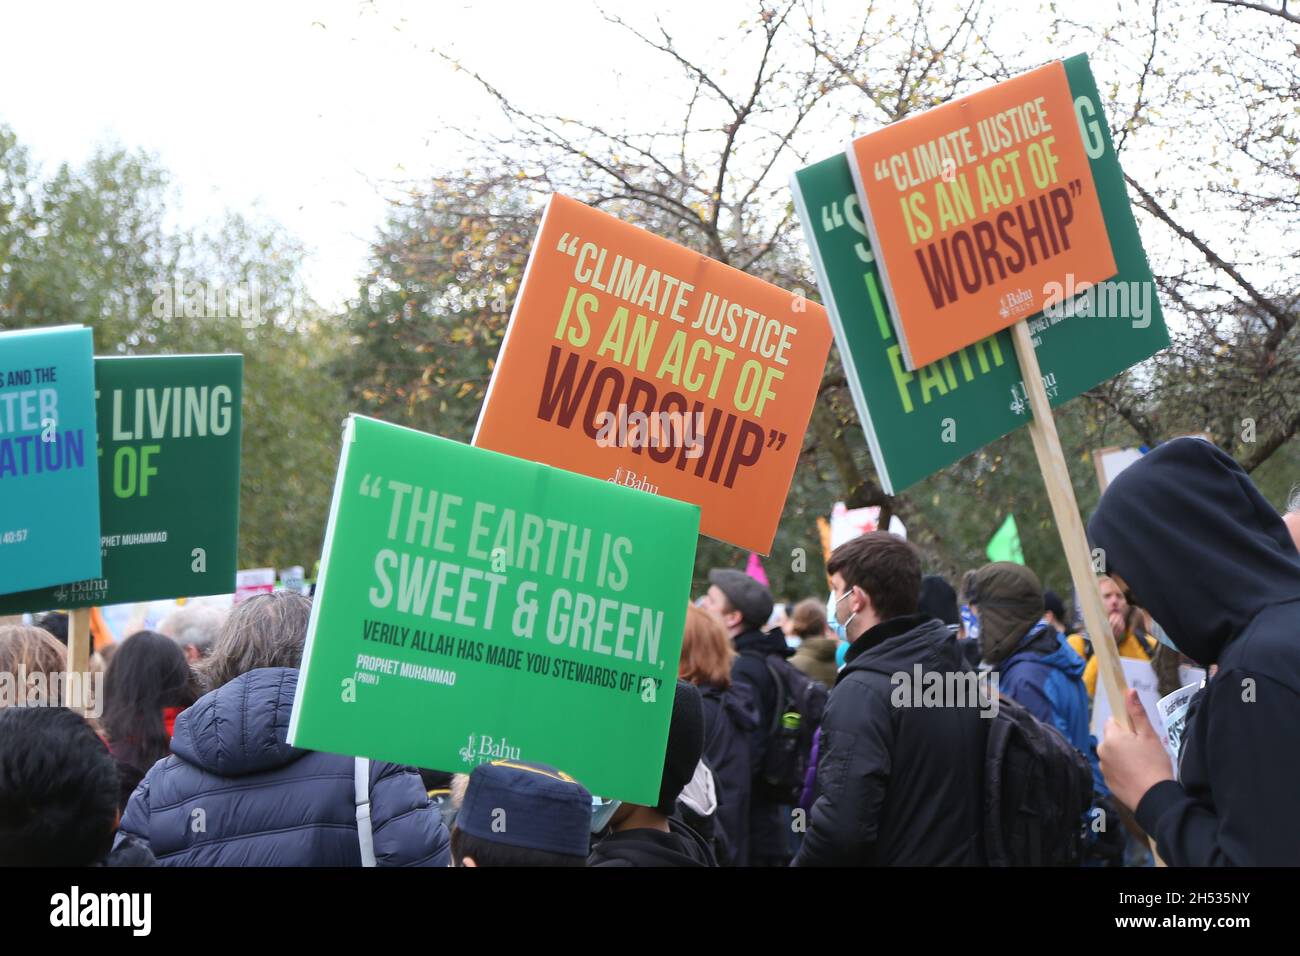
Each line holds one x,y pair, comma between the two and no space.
744,605
1200,548
730,718
1035,665
815,656
234,793
897,784
639,835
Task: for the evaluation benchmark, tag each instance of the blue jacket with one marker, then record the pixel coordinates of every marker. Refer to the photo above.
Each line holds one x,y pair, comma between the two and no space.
233,793
1045,676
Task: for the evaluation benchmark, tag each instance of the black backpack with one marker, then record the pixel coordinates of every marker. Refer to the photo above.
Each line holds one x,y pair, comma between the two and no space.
1037,792
800,701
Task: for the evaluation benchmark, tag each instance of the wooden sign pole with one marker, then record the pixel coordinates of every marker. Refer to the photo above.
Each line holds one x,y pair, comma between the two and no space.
78,658
1051,461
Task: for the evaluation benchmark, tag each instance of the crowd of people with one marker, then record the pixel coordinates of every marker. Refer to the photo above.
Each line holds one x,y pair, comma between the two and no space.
789,741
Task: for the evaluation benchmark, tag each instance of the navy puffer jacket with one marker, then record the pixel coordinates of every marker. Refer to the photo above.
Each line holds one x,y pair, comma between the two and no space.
264,803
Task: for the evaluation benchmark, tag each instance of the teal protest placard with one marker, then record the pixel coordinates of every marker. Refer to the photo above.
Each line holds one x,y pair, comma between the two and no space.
918,422
169,444
472,606
49,476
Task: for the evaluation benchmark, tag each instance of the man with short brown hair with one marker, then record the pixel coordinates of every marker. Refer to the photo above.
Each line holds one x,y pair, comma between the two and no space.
899,783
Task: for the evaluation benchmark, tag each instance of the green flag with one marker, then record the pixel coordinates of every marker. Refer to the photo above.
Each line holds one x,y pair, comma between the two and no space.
1005,543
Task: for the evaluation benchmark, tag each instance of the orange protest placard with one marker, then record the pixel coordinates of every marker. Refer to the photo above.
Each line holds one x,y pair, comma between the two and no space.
635,360
979,210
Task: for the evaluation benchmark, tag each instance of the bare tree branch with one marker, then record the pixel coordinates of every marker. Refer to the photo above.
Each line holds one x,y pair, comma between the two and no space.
1261,450
1282,11
1123,406
1261,301
1138,101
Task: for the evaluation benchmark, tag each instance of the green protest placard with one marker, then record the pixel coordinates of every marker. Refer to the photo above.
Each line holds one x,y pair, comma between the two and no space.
169,441
472,606
918,422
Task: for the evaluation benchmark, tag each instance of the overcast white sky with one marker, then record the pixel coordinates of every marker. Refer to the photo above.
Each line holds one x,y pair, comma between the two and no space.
309,112
302,111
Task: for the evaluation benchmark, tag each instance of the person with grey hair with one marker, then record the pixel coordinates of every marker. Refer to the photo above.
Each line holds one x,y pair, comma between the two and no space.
234,793
1292,517
195,628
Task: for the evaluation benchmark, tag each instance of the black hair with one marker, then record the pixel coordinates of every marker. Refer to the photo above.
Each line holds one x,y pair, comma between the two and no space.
58,789
1052,602
939,600
490,853
56,623
147,673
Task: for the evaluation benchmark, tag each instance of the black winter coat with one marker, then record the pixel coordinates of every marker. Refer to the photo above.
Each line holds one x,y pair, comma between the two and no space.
681,846
1206,554
730,719
898,785
769,828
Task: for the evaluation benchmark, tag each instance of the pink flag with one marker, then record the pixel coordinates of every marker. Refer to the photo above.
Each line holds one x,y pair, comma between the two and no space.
755,570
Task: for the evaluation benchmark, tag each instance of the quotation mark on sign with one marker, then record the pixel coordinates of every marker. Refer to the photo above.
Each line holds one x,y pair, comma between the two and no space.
572,249
882,169
831,218
371,489
772,436
1076,187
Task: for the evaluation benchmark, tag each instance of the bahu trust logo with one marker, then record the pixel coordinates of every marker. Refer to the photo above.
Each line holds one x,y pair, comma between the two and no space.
482,748
82,593
1015,303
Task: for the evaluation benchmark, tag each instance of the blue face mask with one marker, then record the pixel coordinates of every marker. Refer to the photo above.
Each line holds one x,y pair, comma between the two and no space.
841,630
1159,634
602,811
